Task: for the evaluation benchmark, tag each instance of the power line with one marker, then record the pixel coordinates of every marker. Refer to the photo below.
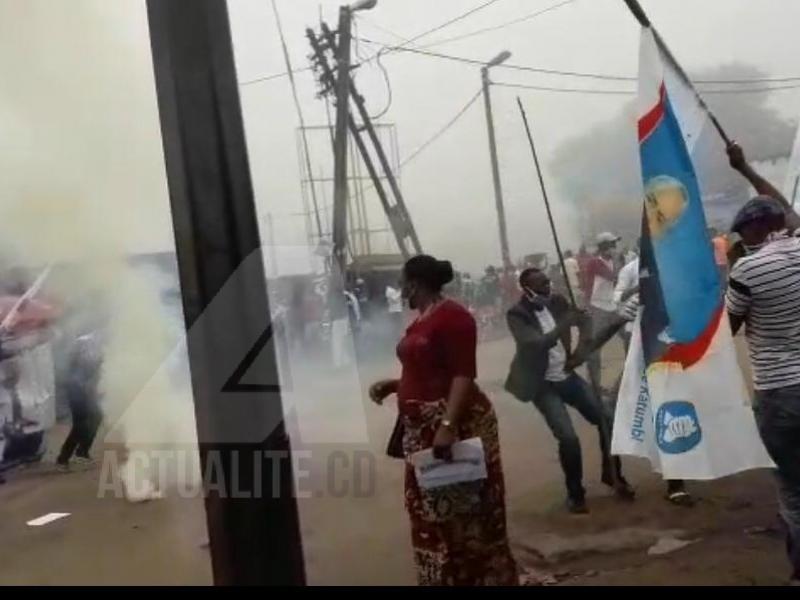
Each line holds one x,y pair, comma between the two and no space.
274,76
406,42
496,27
372,23
387,49
441,131
751,80
386,79
774,88
451,21
389,92
482,63
543,88
782,79
589,75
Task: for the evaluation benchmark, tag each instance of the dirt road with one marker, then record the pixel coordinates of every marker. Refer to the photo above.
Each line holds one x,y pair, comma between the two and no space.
354,525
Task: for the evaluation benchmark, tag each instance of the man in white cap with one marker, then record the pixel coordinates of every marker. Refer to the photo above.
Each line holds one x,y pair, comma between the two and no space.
601,277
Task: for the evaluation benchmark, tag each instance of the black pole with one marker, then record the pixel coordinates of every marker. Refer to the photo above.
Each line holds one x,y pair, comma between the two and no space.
547,204
252,516
638,12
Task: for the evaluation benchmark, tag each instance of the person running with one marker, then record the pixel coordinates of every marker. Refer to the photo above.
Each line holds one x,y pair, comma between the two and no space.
82,393
541,373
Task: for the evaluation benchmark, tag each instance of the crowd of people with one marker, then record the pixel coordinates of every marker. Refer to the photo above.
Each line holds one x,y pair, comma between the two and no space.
459,531
46,371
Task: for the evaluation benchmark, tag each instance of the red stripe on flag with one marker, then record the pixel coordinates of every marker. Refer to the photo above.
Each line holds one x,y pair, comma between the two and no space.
650,121
691,353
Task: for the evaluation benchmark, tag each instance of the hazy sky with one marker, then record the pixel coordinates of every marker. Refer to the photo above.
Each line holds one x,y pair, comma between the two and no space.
74,67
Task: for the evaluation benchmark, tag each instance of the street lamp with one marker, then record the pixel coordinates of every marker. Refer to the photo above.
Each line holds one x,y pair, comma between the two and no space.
497,60
363,5
498,190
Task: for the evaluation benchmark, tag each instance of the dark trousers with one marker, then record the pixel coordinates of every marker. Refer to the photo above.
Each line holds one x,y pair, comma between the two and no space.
552,403
85,422
778,417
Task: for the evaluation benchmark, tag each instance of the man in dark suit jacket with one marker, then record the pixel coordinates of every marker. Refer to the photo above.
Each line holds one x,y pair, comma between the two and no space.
542,373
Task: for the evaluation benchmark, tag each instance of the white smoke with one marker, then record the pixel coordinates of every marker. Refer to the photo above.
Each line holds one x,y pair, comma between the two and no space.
82,185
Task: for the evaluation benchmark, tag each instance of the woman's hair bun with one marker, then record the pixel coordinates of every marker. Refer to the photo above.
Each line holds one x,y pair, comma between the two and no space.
446,273
432,273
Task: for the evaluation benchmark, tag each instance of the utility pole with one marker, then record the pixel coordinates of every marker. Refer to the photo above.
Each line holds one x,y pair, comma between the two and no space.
397,212
340,151
254,533
498,189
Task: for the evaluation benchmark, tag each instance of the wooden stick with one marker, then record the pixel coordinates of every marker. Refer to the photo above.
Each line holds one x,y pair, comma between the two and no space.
547,204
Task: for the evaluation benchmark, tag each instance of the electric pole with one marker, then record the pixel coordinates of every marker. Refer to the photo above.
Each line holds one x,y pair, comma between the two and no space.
393,205
340,150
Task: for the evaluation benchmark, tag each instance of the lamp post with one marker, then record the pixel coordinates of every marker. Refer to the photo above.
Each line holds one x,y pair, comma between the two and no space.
498,189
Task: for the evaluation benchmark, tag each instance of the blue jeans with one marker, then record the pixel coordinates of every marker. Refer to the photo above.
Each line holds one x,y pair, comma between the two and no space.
552,403
778,417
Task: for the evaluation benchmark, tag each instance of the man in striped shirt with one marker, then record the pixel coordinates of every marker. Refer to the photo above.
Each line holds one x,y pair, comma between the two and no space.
764,294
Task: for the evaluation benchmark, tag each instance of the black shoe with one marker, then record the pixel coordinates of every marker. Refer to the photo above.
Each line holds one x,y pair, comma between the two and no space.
624,491
577,506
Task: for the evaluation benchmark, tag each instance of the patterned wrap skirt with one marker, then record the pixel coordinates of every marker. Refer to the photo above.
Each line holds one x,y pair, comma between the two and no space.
458,531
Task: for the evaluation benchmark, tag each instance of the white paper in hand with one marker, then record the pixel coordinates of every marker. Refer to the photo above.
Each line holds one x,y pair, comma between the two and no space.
469,464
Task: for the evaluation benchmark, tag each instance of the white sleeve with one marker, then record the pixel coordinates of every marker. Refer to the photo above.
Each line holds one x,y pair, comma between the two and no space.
625,282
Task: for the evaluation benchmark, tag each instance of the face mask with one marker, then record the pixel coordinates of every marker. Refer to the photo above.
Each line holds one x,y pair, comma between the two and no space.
536,299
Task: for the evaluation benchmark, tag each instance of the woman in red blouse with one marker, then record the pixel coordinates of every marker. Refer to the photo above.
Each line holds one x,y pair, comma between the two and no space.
458,531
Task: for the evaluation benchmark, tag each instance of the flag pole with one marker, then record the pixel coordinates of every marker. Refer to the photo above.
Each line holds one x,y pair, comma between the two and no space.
547,205
641,16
